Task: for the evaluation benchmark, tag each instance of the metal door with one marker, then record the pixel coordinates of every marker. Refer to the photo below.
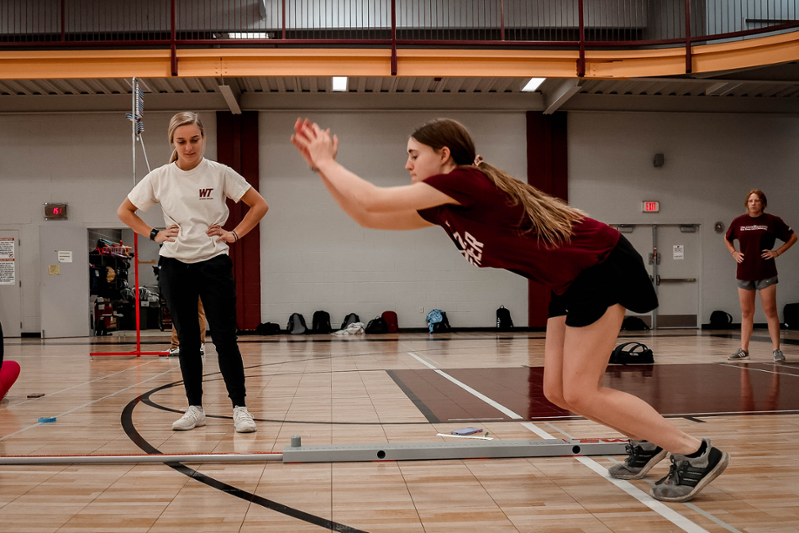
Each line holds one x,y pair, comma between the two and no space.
677,277
10,283
64,264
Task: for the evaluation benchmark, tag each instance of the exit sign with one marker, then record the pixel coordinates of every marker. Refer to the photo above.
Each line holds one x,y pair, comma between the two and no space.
650,207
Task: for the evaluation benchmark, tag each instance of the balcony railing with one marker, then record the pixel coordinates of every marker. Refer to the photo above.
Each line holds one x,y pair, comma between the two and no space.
564,24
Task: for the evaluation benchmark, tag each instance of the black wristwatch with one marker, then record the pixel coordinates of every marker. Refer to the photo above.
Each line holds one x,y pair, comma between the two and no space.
153,234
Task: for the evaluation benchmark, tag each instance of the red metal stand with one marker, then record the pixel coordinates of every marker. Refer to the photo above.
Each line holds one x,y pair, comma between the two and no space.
137,352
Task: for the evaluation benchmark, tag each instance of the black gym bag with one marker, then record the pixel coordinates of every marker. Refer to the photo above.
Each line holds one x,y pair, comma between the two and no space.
504,321
790,315
377,325
321,322
633,323
720,320
629,356
296,325
351,318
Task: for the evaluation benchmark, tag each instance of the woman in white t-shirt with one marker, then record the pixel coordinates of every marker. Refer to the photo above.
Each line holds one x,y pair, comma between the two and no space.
194,257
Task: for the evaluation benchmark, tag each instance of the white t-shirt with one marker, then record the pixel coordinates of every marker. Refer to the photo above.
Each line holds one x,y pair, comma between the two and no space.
194,200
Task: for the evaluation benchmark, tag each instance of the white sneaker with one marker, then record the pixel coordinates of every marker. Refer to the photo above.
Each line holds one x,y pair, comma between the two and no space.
202,349
174,352
194,418
243,421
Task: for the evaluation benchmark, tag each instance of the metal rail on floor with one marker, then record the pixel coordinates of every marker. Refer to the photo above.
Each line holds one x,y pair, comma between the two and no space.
353,453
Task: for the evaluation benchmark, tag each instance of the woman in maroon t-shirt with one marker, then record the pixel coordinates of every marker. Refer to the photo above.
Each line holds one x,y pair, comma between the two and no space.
757,232
593,271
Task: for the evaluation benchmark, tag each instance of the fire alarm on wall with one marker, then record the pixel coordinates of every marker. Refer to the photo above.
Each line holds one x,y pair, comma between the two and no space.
650,207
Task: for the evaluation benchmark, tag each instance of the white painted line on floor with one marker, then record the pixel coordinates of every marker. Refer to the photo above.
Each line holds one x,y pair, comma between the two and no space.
89,403
50,394
695,508
486,399
556,428
666,512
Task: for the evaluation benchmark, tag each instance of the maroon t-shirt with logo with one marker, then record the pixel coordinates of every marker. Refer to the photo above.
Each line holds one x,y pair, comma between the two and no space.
756,234
486,229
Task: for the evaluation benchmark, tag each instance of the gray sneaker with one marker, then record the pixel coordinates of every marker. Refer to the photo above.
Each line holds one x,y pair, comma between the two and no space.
778,356
688,476
740,354
640,460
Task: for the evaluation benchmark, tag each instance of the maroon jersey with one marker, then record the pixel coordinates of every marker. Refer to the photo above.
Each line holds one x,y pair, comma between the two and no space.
490,232
756,234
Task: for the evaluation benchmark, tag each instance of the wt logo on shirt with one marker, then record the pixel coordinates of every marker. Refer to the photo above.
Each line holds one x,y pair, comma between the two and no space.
205,194
471,249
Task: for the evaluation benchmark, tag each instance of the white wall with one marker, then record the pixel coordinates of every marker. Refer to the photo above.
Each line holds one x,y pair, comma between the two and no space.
712,161
81,159
314,257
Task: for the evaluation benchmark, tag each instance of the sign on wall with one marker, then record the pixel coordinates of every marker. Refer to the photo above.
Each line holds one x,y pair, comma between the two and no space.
8,262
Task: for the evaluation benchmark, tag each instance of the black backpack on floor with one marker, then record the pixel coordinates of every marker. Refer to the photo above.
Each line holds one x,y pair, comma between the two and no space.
504,321
349,319
622,355
377,325
443,326
634,323
790,313
267,328
720,320
296,325
321,322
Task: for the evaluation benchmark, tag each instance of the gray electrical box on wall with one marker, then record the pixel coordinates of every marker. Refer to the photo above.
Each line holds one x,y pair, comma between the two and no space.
55,211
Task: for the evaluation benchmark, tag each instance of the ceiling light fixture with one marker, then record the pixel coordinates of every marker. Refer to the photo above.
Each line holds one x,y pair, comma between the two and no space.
533,84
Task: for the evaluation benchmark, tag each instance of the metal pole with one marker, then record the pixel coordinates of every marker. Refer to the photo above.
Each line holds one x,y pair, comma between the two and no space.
134,126
138,459
393,37
502,19
581,61
174,48
688,58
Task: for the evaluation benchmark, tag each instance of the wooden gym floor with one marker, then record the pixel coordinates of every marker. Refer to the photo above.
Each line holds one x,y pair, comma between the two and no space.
387,388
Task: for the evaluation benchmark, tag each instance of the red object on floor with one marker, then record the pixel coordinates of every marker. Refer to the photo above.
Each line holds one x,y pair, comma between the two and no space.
9,372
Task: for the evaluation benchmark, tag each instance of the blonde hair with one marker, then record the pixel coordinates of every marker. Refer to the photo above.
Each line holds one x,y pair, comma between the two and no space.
550,218
183,118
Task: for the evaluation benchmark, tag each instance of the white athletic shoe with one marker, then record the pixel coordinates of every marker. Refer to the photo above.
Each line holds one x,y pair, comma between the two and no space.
243,421
194,418
174,352
202,349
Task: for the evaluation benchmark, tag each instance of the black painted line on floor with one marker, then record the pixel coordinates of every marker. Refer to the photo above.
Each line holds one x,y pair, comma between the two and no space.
426,411
693,419
135,436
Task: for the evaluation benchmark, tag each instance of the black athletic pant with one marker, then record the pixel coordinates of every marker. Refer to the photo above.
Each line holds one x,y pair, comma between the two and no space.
181,284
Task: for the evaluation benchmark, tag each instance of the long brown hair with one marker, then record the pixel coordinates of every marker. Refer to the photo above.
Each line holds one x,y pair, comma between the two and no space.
183,118
550,218
760,194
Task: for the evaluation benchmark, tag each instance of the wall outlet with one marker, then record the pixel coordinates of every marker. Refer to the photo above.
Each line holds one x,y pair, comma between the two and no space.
421,309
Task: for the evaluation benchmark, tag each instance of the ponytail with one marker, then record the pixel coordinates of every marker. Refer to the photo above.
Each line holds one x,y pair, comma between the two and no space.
550,218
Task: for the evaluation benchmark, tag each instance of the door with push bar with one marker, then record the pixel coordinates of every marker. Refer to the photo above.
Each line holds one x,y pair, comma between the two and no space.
672,254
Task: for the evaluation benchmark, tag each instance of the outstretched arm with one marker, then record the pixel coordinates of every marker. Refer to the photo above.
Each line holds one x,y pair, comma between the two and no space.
367,204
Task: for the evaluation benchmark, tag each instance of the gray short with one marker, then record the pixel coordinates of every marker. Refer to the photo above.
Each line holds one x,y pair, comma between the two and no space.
757,284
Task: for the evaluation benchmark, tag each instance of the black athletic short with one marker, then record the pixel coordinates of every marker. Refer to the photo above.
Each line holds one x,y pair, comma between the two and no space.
620,279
